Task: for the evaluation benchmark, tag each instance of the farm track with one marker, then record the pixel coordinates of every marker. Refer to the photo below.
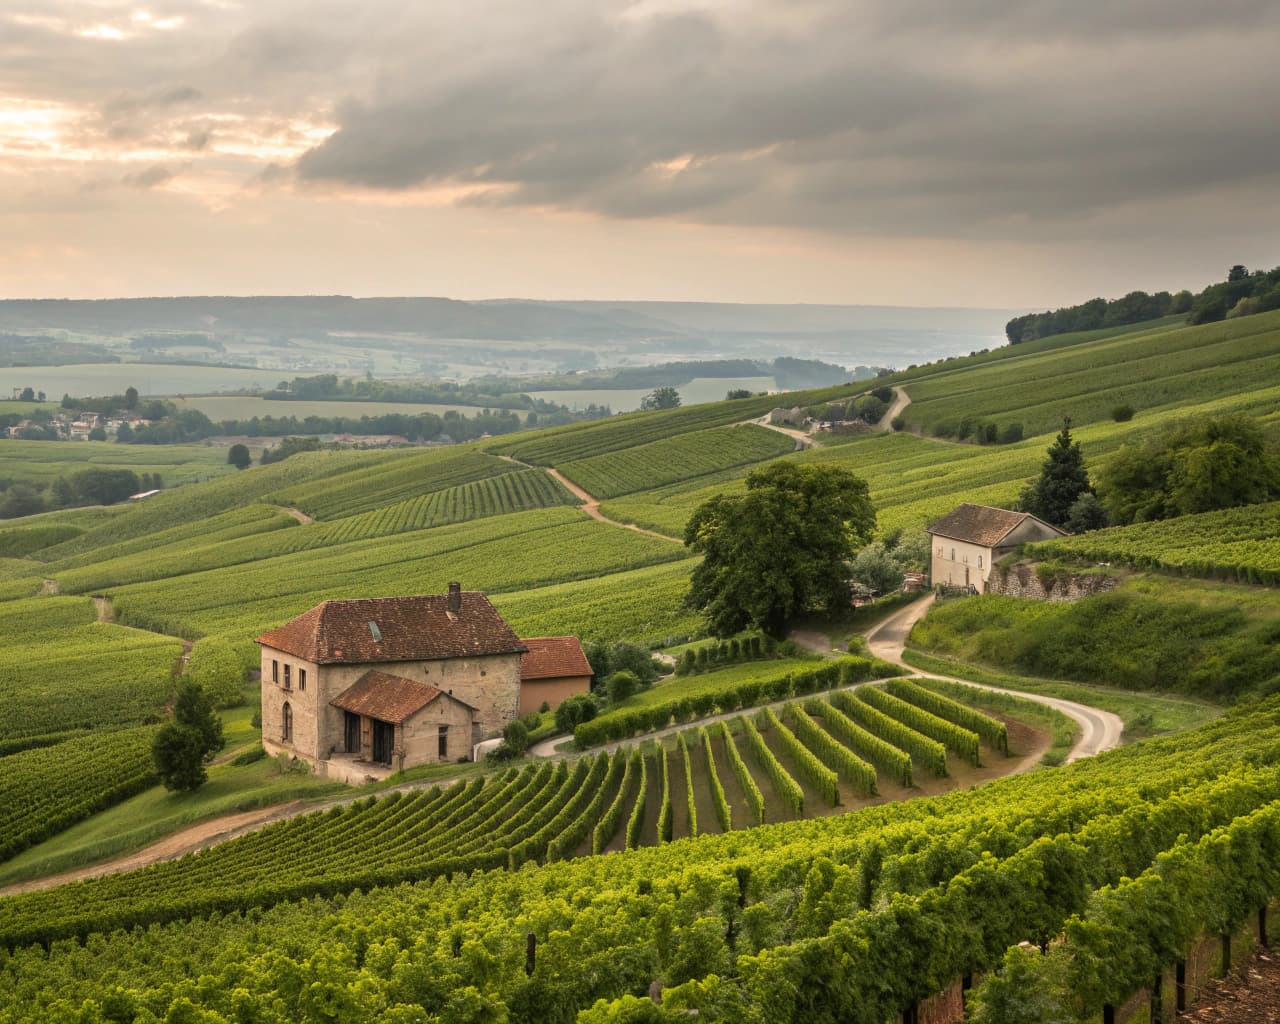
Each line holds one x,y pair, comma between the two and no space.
900,401
590,505
1099,730
299,515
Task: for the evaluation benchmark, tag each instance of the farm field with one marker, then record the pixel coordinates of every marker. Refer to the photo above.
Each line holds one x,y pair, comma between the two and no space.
245,407
503,553
41,462
541,811
817,906
685,457
915,480
151,379
65,671
1241,544
1144,369
696,391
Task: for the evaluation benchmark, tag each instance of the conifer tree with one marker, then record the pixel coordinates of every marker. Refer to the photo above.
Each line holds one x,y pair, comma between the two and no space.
183,747
1063,479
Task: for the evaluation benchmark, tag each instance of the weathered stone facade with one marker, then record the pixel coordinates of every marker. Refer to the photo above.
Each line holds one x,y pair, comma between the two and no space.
488,683
1029,580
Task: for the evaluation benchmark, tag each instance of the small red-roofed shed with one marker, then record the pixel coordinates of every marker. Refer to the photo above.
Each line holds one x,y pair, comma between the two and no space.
553,669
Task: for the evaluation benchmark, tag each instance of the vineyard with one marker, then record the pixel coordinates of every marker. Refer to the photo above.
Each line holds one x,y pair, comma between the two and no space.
1130,856
679,458
766,769
499,554
397,477
1144,369
45,789
1241,544
63,671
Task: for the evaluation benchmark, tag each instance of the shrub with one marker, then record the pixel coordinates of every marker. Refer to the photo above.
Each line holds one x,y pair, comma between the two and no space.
516,736
1011,433
573,711
1122,413
898,423
621,685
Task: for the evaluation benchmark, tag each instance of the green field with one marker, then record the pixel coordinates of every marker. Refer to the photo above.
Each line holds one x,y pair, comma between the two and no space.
41,462
246,407
1146,369
819,909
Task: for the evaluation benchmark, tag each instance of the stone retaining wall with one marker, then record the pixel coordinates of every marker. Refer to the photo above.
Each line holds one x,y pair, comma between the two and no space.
1023,580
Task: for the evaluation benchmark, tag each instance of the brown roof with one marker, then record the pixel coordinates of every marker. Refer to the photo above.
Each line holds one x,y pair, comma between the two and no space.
395,629
553,657
387,697
982,524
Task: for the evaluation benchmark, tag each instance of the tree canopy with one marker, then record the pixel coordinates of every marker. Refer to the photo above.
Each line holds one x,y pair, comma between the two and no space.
661,398
184,747
1195,466
779,550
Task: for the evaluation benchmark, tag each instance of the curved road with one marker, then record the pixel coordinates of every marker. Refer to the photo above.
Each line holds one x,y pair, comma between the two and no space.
1099,730
900,402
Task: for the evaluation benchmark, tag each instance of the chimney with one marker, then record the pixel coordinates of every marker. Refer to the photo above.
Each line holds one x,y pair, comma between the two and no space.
455,598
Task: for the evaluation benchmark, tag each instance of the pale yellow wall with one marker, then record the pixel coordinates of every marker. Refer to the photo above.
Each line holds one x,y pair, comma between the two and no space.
419,737
305,704
952,557
534,692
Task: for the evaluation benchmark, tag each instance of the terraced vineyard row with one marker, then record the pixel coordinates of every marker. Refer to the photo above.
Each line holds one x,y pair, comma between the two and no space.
399,477
46,789
853,917
493,496
1145,369
559,445
679,458
1241,544
63,671
763,770
502,553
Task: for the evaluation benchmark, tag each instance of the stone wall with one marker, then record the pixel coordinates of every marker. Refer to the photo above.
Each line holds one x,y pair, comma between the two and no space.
1023,580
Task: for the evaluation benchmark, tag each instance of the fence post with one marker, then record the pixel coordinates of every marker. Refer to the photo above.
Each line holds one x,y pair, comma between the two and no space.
1180,986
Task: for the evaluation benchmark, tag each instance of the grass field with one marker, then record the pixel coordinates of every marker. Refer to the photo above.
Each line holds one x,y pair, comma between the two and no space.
245,407
40,462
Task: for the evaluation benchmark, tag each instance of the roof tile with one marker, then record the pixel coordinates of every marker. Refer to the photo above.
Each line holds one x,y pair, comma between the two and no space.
384,696
980,524
395,629
553,657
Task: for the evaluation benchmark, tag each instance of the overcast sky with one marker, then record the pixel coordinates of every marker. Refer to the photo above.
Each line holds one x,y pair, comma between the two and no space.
914,152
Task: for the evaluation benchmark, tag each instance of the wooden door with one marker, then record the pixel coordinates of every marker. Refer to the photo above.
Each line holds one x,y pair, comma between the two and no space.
384,738
351,731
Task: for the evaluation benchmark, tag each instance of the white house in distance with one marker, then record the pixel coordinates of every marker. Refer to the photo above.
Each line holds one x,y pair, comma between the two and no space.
969,540
365,687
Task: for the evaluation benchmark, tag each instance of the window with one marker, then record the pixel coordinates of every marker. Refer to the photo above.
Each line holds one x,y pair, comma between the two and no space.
302,677
286,722
444,741
275,671
286,668
287,683
979,561
939,550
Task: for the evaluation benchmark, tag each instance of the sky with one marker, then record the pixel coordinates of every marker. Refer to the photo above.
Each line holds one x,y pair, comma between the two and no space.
914,152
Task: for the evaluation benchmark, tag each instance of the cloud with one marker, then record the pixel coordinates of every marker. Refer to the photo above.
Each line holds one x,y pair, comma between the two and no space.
924,117
152,177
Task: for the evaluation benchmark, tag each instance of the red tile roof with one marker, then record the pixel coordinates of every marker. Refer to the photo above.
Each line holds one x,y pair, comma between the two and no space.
395,629
553,657
982,524
389,698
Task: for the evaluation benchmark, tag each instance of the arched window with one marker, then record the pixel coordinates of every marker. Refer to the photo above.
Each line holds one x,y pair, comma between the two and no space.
286,722
979,561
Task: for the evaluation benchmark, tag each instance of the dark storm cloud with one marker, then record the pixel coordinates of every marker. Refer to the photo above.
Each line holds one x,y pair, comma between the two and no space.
920,117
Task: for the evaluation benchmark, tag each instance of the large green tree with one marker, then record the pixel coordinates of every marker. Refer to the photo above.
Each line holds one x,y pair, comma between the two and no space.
661,398
1062,480
779,550
184,747
1197,465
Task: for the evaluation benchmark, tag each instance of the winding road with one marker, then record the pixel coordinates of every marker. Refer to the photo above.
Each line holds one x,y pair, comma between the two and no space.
1099,730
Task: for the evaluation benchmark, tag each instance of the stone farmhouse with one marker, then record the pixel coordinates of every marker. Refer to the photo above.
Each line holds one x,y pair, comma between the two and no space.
365,687
968,541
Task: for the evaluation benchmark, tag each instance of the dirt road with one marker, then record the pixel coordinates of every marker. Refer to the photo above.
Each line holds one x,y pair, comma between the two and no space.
1099,730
